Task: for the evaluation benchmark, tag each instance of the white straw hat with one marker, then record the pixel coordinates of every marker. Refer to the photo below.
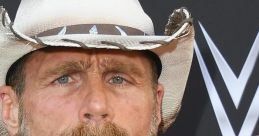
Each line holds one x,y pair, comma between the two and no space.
111,24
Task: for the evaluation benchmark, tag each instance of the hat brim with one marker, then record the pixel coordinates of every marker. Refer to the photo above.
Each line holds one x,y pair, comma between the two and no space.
176,57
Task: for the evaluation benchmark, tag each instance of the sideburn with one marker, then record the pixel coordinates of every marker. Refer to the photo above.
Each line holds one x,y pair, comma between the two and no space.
23,130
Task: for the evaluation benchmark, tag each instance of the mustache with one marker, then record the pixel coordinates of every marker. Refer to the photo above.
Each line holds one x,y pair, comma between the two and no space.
107,129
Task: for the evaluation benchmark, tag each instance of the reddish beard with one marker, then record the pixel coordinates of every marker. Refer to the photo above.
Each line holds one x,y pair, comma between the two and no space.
108,129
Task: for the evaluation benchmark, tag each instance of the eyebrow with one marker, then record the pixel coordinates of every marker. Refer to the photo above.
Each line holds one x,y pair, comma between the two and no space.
106,65
112,65
66,67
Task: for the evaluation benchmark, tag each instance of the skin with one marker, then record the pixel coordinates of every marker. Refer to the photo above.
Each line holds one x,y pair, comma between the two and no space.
66,87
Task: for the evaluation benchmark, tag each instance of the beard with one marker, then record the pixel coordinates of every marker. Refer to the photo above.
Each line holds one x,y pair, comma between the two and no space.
108,129
84,129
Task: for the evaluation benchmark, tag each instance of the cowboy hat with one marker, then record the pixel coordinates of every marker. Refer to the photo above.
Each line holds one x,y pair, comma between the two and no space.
114,24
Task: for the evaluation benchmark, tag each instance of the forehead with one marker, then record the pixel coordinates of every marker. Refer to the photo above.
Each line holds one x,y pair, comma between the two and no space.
48,57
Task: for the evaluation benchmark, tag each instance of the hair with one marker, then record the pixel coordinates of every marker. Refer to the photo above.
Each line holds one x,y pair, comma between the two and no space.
16,74
156,67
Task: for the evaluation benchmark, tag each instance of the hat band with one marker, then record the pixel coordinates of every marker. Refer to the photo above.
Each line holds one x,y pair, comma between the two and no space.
104,29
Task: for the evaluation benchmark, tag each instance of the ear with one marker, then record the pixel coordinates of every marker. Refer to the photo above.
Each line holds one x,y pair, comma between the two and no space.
9,111
159,100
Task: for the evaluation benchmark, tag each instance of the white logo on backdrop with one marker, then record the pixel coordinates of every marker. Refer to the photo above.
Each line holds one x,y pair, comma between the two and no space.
235,85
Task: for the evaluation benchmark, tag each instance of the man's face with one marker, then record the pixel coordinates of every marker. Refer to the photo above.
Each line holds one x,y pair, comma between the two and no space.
71,90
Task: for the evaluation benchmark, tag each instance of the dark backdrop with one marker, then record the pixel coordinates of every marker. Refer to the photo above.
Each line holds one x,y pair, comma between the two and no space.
233,27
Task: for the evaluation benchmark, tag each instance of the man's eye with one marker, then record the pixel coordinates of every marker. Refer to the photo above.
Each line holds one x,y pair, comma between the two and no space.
117,80
63,80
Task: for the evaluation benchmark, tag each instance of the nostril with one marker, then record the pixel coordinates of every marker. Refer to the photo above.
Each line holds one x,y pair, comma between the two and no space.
104,116
95,117
88,116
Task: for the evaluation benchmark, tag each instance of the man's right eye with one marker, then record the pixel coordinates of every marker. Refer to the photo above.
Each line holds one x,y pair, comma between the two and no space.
63,80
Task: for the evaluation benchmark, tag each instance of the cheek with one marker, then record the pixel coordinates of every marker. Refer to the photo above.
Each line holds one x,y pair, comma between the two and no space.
134,112
50,113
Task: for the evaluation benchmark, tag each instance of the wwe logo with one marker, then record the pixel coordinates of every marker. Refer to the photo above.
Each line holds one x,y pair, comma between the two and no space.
235,86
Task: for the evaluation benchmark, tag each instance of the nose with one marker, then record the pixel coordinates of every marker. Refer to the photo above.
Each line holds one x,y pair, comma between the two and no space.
95,107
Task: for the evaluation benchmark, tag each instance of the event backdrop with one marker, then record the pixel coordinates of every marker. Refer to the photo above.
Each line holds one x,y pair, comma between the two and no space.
222,94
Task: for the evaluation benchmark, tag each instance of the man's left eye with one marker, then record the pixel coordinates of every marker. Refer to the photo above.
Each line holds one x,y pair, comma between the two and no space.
117,80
